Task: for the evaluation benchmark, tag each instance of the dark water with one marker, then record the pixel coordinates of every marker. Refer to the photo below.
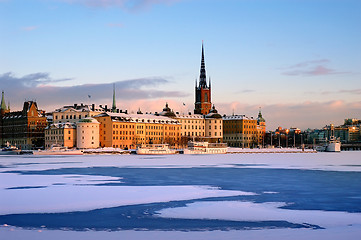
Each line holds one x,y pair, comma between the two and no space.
302,189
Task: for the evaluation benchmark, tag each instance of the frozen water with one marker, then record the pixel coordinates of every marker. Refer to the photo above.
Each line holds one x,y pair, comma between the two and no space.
281,196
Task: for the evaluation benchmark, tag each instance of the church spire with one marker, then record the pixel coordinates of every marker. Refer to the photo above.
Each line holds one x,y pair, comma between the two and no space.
3,104
202,76
114,107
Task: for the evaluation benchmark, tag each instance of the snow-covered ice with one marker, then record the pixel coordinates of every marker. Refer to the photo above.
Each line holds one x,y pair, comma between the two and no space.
185,195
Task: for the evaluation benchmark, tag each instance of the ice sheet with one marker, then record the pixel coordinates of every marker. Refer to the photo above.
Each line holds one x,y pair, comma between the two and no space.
83,198
344,161
249,211
349,233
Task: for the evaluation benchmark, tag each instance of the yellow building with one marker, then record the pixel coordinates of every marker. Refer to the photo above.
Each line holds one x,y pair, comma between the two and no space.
116,130
261,129
74,113
130,130
60,134
240,131
214,126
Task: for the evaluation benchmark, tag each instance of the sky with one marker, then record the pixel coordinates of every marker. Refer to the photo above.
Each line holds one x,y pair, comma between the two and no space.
299,60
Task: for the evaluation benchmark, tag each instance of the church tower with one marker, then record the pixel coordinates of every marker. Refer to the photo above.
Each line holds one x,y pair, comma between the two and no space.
203,102
114,106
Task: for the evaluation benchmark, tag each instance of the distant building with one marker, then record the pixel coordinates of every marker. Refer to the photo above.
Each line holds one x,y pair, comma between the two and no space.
87,133
240,131
203,102
213,126
60,134
130,130
3,111
75,112
261,129
24,129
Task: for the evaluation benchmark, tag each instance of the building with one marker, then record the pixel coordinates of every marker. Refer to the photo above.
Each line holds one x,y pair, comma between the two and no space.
3,111
24,129
60,134
131,130
116,130
203,103
87,133
75,113
261,129
213,126
240,131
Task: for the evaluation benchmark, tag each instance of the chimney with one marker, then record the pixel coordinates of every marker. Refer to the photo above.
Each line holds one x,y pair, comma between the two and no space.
93,107
106,107
75,105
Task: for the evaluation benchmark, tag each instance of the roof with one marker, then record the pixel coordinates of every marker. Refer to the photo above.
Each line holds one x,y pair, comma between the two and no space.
236,117
146,118
61,125
88,120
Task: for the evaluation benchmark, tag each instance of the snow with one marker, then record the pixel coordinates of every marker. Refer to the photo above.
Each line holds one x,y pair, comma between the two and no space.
56,199
344,161
271,211
349,233
40,193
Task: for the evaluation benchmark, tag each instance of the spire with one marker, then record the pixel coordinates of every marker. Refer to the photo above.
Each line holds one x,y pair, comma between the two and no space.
202,77
114,107
260,117
3,104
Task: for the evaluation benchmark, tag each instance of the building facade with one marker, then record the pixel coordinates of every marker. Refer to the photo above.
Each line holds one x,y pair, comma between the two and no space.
74,113
24,129
240,131
87,133
60,134
261,129
213,126
131,130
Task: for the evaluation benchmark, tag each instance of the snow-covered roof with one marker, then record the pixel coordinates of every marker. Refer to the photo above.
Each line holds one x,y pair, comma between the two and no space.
146,118
189,116
61,125
237,117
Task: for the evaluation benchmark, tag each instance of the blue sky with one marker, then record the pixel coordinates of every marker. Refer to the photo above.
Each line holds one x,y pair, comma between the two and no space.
297,59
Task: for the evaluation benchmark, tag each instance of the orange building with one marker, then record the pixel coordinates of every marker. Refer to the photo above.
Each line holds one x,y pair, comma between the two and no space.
117,130
61,134
120,130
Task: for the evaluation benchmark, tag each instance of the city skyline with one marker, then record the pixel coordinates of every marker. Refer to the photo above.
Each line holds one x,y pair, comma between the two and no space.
298,60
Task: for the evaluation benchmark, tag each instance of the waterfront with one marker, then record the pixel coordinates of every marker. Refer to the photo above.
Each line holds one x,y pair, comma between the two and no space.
273,196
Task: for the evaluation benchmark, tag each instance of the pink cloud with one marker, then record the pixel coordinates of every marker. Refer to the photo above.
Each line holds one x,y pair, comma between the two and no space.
125,4
30,28
311,68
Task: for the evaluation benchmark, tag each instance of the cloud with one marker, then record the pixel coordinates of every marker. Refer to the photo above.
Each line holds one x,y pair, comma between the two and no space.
347,91
29,28
311,68
309,63
38,86
29,81
302,115
123,4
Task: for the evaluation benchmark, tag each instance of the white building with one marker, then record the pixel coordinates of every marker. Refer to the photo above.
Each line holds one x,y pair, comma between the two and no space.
87,130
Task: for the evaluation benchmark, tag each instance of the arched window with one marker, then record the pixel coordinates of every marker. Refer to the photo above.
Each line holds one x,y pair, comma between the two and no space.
206,97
